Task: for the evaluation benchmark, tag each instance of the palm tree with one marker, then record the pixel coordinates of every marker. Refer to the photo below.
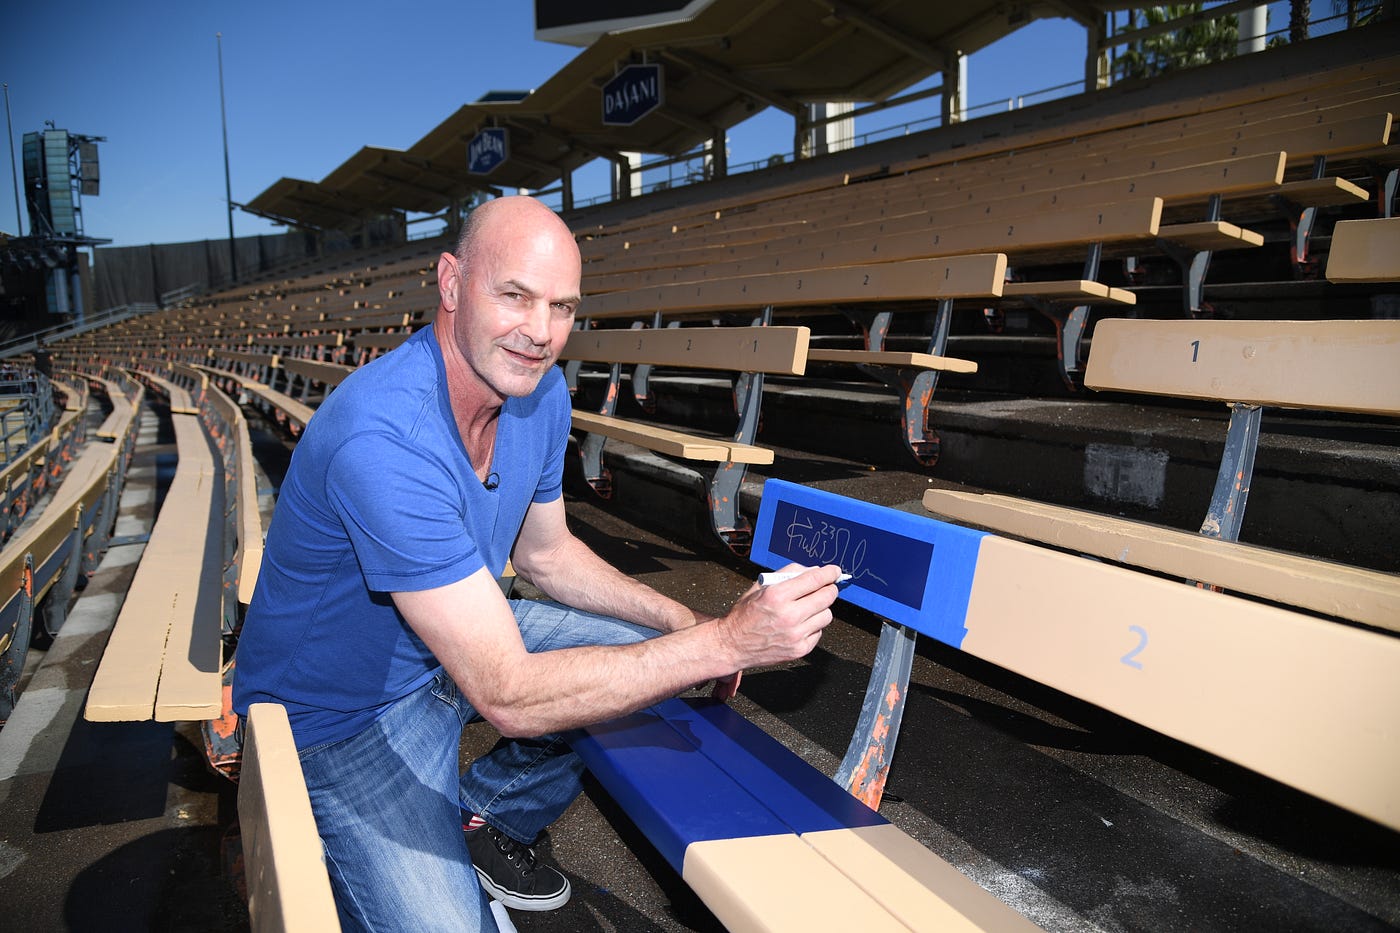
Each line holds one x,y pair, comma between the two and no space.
1195,43
1299,12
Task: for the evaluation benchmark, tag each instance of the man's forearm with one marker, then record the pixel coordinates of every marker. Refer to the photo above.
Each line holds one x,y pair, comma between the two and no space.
570,573
592,684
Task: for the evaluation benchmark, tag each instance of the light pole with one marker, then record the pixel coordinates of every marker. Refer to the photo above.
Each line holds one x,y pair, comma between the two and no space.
228,185
14,171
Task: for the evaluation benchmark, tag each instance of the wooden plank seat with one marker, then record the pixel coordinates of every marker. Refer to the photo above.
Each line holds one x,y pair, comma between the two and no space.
255,366
1342,366
330,374
351,322
26,477
864,293
1345,366
43,563
330,340
1298,699
283,864
123,411
228,429
924,204
163,658
754,830
1080,234
1365,251
178,396
750,351
914,203
669,442
367,346
285,409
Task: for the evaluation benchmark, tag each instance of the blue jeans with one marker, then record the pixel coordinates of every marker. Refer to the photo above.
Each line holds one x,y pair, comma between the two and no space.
388,801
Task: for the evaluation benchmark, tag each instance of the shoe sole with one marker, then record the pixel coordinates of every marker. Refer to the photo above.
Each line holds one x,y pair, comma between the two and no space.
522,902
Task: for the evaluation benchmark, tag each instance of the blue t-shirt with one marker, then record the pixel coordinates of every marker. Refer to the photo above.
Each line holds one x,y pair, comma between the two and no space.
381,497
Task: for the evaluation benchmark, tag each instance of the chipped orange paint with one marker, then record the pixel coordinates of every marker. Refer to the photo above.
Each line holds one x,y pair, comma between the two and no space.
868,779
227,724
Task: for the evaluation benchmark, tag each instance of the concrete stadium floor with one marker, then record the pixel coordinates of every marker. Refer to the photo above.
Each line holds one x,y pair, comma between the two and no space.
1080,819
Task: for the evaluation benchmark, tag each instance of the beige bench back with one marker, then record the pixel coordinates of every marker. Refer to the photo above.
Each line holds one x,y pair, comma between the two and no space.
288,888
744,349
1349,366
1365,251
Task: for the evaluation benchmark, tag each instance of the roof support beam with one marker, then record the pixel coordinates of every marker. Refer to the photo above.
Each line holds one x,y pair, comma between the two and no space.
687,120
321,207
1086,14
280,219
930,55
541,128
450,179
395,182
534,165
719,75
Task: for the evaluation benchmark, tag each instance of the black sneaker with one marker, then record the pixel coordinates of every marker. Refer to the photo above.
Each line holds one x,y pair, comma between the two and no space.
511,873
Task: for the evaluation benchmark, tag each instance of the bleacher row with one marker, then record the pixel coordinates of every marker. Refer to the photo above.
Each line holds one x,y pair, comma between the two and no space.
764,285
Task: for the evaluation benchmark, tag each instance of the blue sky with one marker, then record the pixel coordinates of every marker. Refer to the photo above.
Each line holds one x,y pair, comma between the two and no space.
308,83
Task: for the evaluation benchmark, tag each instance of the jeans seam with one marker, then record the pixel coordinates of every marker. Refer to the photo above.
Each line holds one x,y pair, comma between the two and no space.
486,811
344,889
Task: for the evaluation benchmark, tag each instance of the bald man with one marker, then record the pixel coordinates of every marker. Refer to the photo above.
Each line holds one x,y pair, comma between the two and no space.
377,620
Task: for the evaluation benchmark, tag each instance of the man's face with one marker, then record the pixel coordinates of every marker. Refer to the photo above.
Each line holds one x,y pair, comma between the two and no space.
515,308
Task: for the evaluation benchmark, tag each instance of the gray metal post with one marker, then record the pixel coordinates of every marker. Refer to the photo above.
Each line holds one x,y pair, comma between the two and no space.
228,186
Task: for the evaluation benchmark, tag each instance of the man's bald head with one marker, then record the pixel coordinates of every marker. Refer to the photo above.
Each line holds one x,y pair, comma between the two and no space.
516,214
507,298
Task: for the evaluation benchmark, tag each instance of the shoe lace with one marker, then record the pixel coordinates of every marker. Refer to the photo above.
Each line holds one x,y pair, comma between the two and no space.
513,851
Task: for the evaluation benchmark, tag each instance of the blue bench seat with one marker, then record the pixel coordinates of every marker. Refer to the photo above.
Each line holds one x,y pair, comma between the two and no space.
766,840
1303,700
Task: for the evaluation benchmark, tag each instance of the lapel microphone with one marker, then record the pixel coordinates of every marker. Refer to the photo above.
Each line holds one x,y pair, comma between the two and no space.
493,479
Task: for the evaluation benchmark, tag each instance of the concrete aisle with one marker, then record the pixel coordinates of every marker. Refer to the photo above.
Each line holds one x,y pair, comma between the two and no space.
110,826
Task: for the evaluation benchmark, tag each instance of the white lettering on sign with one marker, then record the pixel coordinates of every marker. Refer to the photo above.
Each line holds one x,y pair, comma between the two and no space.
630,94
487,144
633,93
486,151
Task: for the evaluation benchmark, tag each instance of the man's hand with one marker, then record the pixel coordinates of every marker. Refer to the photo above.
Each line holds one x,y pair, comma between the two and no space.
782,622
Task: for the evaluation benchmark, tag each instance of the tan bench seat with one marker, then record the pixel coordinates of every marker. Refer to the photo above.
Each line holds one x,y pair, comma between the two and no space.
163,658
283,861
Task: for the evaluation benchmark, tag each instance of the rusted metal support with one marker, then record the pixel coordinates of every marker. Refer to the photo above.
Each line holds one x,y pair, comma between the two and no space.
866,766
641,373
915,386
1227,502
12,653
590,448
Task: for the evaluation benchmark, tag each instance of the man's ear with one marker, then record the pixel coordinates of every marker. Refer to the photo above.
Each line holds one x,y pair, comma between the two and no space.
448,271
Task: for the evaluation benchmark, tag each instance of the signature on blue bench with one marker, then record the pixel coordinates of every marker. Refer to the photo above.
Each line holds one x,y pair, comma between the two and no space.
810,536
828,543
909,569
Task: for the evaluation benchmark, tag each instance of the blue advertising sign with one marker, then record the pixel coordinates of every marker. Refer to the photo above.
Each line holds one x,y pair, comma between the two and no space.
633,92
910,569
488,149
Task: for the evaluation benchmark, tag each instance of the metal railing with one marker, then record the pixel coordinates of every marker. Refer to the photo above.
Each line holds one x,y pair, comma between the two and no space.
26,411
30,342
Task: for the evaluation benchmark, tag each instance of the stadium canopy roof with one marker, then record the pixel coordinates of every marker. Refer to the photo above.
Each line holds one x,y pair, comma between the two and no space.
731,60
